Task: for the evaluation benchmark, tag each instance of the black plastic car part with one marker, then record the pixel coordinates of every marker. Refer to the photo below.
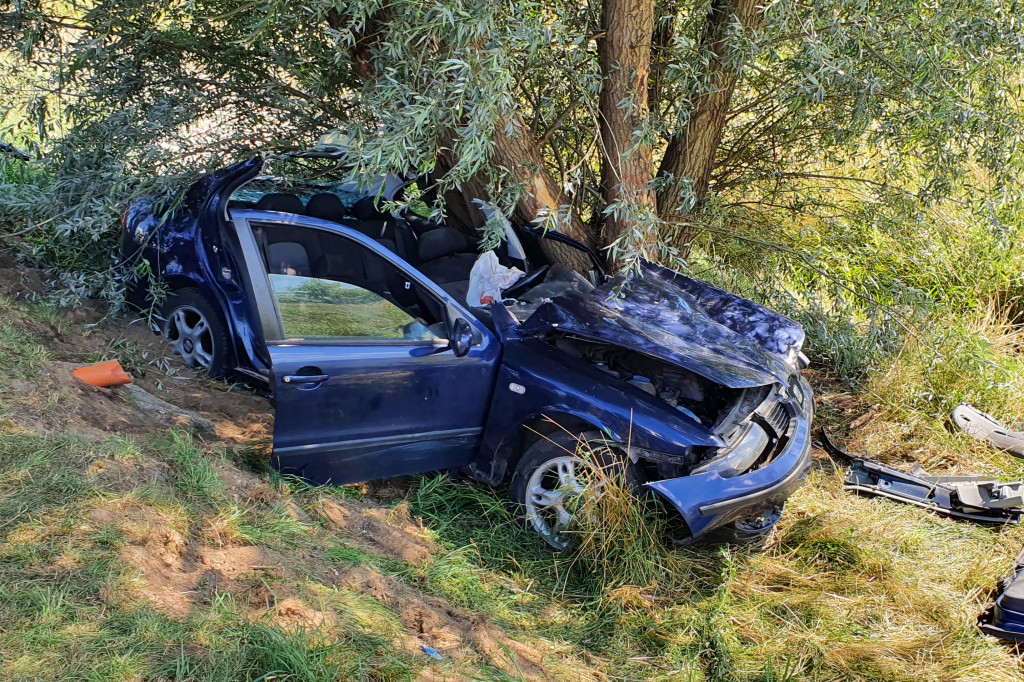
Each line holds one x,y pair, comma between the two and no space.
972,498
1004,615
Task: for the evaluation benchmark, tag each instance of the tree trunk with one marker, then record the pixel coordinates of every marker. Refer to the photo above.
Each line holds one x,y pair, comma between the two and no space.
690,154
521,154
625,59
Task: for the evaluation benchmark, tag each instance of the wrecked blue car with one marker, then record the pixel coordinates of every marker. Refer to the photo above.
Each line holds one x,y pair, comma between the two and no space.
357,321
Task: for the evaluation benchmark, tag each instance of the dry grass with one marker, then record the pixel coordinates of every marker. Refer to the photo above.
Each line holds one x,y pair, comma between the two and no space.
845,588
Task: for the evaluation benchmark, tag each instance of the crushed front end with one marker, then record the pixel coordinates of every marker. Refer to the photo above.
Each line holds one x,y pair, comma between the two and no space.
760,438
730,368
745,484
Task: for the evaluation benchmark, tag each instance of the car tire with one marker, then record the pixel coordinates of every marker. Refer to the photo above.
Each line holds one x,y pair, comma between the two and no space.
748,531
196,332
547,477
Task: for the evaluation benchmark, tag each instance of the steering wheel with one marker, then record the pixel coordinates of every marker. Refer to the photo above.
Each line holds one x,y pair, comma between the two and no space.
525,282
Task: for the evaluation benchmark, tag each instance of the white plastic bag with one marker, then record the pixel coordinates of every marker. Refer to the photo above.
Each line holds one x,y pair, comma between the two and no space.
488,279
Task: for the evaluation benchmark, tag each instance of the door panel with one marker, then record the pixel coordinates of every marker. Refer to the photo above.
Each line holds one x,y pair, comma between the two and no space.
364,388
383,410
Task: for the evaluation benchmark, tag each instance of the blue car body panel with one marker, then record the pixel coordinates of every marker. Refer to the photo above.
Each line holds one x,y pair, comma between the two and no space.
184,246
392,408
538,382
660,314
1007,617
708,500
385,410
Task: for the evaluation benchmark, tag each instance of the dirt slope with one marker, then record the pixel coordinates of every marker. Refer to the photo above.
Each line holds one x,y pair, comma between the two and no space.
199,516
143,537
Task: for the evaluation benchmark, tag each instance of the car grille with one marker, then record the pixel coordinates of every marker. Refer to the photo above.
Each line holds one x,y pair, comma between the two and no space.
777,418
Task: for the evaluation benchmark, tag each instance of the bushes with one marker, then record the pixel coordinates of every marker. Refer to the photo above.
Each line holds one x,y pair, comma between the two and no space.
882,280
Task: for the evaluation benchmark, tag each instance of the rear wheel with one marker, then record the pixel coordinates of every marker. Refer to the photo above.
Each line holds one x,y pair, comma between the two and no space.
196,333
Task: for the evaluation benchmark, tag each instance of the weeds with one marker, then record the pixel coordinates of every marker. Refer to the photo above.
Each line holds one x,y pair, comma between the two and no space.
617,539
194,475
844,589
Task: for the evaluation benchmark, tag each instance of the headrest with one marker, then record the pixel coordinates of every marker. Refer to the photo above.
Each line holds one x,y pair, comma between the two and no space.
365,210
441,242
288,258
374,229
326,207
283,203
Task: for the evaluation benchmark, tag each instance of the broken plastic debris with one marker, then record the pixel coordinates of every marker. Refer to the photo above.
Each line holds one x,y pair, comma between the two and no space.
103,374
980,499
1003,617
983,427
432,652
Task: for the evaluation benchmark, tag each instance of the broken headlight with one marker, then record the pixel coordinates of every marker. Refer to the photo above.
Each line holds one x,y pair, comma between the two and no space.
741,456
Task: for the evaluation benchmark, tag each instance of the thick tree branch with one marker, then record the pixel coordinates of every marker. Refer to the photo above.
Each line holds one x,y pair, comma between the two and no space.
690,154
625,58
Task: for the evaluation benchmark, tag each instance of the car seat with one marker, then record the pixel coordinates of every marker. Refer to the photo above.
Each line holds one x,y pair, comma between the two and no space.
445,259
288,258
282,203
326,207
381,226
420,225
366,210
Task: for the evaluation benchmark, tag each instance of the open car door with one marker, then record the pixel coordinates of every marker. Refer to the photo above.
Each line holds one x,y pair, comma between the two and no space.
375,373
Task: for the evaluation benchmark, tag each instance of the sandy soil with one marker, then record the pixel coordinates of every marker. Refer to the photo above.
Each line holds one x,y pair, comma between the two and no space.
182,569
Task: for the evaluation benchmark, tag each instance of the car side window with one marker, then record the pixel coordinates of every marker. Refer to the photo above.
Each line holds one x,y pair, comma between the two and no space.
313,308
328,286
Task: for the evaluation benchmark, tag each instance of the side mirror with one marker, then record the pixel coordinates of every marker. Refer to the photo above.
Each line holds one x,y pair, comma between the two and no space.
460,338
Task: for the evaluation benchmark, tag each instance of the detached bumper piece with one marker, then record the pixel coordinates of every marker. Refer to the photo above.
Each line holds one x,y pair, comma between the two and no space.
972,498
1004,617
983,427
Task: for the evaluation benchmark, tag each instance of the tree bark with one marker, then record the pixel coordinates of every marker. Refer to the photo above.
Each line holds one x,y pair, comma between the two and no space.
521,154
662,38
625,60
690,154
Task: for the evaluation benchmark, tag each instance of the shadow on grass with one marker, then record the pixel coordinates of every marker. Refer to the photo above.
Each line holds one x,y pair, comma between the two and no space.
497,566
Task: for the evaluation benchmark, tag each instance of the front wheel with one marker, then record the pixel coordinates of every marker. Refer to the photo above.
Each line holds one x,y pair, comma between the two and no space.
196,332
754,528
551,478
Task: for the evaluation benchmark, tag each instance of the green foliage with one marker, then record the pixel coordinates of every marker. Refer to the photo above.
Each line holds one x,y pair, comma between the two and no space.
194,474
130,99
20,351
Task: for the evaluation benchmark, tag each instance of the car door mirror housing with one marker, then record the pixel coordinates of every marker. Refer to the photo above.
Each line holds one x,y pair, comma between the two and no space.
460,338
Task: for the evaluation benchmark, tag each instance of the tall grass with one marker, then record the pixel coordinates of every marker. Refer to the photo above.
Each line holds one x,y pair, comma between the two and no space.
617,539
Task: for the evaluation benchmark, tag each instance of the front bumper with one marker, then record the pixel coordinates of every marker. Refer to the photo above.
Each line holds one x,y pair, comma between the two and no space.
707,501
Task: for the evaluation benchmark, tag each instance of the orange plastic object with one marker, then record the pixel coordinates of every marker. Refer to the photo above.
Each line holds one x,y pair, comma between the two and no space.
103,374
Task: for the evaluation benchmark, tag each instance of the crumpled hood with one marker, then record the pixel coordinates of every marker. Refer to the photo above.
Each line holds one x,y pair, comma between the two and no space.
720,336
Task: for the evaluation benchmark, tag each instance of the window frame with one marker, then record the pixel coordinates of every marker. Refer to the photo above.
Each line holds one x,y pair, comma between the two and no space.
266,303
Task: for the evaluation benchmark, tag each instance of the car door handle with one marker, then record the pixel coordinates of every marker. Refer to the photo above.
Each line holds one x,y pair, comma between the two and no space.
304,378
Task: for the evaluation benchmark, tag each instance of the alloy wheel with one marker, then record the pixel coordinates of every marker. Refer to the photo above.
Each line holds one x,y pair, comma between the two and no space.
553,492
190,335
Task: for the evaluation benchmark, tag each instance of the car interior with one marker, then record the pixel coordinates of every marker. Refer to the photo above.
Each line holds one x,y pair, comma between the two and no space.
444,255
309,252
